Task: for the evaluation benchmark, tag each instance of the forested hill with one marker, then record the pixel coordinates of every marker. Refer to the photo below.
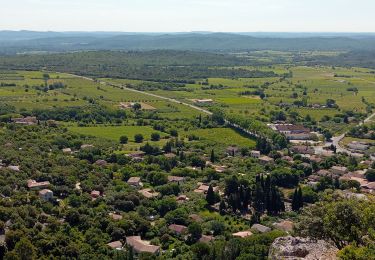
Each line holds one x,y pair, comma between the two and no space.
11,42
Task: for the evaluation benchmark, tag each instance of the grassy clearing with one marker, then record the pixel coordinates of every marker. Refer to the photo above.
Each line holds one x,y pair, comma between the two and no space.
222,137
114,132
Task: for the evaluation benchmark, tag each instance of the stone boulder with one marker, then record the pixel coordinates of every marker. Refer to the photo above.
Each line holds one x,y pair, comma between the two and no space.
296,248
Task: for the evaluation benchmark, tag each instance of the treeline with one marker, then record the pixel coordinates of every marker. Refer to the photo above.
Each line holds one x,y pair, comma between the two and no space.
86,114
155,65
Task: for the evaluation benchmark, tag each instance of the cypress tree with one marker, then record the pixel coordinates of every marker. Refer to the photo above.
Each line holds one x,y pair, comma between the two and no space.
222,207
212,158
210,197
294,200
300,198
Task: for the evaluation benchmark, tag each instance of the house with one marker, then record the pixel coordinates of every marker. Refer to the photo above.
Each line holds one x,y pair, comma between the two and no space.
369,187
291,129
176,179
67,150
95,194
137,156
203,101
255,154
287,158
170,155
232,150
140,246
178,229
135,181
29,120
339,170
46,194
148,193
242,234
302,136
115,245
302,149
260,228
219,169
203,188
182,198
115,216
196,218
206,239
323,173
315,158
314,178
33,185
86,146
101,163
15,168
284,225
265,160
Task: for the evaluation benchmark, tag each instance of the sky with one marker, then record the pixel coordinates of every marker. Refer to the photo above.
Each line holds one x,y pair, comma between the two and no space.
189,15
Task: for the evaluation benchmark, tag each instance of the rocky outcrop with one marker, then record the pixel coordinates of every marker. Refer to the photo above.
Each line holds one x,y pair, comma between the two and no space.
296,248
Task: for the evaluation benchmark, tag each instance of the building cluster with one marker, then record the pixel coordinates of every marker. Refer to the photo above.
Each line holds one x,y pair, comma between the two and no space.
293,132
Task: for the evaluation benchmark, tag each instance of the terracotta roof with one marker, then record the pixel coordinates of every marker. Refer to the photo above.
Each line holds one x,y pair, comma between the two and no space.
242,234
206,239
175,178
148,193
115,245
35,184
177,228
196,217
95,193
44,192
140,245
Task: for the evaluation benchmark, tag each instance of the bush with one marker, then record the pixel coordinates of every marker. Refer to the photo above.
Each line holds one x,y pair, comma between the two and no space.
138,138
124,139
155,137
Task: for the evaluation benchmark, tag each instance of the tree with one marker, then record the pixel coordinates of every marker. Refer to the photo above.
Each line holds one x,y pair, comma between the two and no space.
297,201
195,231
137,106
210,197
25,250
138,138
124,139
218,116
155,137
212,157
222,207
370,175
173,132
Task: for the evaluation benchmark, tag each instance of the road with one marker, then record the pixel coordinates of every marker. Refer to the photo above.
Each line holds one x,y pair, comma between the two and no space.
337,139
165,98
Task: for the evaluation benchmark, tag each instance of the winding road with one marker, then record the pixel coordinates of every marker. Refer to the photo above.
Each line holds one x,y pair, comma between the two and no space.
337,139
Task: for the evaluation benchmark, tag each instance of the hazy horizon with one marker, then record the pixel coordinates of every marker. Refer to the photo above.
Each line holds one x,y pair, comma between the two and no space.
168,16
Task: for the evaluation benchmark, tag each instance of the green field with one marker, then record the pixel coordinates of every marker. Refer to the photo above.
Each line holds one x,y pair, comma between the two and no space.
114,132
222,137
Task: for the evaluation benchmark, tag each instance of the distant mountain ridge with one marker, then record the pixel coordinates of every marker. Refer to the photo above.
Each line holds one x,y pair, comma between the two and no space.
28,41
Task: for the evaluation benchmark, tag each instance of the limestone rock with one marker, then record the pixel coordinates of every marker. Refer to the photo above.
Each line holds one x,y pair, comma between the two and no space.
297,248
